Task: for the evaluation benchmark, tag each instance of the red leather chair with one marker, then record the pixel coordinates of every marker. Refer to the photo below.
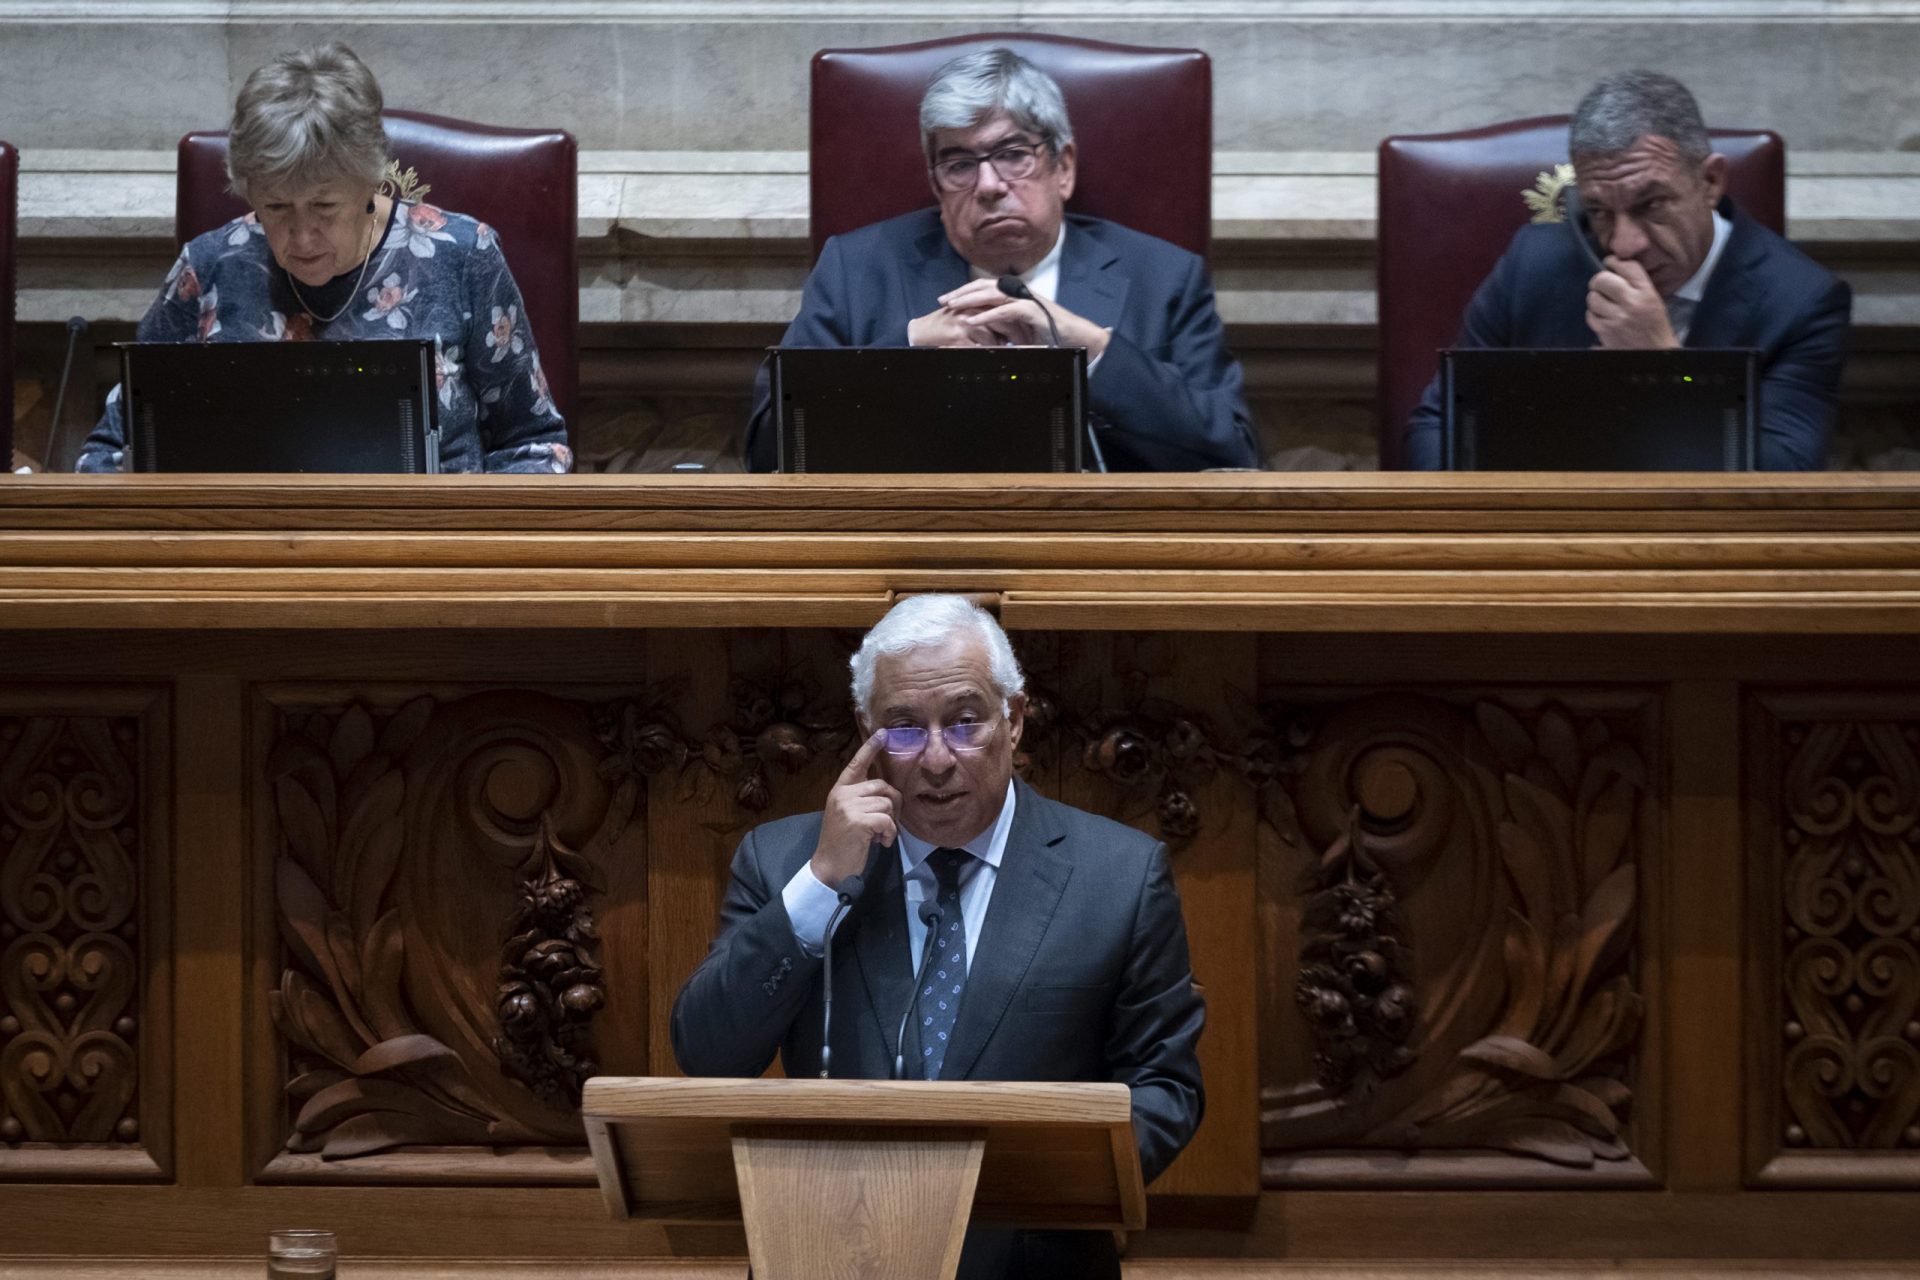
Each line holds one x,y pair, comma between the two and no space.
524,182
1450,202
9,218
1142,128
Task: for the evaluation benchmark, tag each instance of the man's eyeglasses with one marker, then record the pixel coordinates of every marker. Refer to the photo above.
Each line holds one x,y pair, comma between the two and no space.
961,173
963,738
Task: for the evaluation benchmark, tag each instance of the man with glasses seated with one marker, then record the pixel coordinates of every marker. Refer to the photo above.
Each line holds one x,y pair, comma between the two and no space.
1050,940
1164,392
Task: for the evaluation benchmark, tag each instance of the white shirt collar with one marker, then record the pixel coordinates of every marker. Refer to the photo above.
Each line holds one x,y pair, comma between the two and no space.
1696,287
1044,276
989,846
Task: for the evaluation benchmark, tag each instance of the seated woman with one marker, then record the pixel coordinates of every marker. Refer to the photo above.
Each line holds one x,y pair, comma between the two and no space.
325,256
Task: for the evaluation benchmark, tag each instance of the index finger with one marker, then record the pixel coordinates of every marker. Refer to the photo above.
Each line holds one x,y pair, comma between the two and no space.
858,767
974,293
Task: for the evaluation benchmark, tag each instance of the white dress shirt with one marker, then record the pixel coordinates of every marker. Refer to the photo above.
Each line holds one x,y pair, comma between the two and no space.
810,904
1696,286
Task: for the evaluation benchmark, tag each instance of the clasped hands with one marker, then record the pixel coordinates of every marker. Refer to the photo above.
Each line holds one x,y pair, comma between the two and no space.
1625,309
977,314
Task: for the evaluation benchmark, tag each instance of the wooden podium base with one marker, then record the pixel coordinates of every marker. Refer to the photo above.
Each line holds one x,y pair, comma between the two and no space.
856,1203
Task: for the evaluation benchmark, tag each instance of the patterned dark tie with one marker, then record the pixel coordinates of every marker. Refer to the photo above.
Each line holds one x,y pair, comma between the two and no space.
947,974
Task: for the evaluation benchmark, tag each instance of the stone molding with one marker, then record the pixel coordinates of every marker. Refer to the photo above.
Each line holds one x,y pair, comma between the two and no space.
1016,13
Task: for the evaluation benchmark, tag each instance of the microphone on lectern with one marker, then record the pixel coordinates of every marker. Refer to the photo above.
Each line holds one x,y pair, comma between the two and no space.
930,917
850,890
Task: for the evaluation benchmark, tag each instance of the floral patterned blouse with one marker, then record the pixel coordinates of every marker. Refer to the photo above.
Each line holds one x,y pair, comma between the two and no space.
437,275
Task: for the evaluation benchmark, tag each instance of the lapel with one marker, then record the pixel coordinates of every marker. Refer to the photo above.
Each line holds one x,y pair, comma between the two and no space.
1092,286
936,269
880,948
1721,319
1033,874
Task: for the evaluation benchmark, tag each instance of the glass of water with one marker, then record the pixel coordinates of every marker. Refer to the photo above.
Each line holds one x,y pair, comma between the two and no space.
300,1255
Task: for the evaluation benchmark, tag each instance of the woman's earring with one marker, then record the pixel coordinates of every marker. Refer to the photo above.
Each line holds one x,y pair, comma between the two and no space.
369,204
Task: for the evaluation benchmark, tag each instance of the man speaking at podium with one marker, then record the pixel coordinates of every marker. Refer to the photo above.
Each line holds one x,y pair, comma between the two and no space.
1163,391
1057,949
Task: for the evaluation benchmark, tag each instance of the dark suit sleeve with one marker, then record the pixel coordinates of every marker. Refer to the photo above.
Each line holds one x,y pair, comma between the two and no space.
1488,323
1800,387
733,1013
826,320
1154,1031
1176,408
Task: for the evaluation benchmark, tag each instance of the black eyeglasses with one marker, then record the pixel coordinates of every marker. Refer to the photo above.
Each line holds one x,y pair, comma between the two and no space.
1012,163
963,738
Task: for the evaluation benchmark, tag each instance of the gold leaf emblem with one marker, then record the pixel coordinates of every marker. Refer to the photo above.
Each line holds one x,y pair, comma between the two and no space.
406,186
1544,199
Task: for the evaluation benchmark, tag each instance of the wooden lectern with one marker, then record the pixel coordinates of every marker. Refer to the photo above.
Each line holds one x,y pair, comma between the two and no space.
864,1178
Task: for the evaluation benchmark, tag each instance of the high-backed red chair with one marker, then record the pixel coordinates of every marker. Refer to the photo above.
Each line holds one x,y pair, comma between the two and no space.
1450,202
9,218
1142,129
523,182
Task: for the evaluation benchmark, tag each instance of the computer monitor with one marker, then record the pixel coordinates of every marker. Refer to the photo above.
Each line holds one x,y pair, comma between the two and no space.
281,406
878,409
1599,410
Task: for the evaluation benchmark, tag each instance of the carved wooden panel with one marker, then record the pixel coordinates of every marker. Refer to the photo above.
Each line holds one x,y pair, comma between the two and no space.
437,865
1837,804
82,877
1451,895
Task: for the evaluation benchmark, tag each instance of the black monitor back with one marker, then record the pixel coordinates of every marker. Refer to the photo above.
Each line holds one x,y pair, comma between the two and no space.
281,406
1599,410
879,409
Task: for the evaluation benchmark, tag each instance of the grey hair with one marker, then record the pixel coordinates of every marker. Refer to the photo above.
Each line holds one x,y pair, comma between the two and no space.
1630,105
306,118
920,621
973,86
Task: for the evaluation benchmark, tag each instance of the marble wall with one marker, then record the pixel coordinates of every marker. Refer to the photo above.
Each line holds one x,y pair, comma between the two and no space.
659,75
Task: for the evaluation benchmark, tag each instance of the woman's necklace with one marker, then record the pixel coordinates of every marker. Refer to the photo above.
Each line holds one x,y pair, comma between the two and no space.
372,226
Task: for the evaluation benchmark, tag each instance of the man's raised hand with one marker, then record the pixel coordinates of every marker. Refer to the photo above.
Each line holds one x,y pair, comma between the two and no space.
861,810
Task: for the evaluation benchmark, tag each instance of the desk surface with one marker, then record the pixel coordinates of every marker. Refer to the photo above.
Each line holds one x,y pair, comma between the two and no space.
1513,553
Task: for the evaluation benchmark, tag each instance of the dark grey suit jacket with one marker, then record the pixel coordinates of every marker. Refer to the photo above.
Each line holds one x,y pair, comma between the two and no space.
1167,394
1764,293
1080,973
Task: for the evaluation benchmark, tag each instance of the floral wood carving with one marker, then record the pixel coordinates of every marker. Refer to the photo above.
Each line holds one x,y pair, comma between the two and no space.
1851,894
1506,831
69,962
774,727
399,831
1354,984
550,986
1157,753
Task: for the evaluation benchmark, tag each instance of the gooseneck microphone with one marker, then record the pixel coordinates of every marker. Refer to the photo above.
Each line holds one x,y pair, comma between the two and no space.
850,890
75,327
930,917
1014,287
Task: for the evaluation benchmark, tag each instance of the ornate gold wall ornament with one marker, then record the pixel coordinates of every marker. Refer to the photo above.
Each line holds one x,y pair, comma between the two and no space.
403,186
1544,199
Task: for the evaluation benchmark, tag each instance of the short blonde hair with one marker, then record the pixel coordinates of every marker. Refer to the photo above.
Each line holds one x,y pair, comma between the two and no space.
307,118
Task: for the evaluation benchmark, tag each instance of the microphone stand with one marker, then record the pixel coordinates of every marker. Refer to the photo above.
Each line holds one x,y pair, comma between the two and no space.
75,327
930,917
1014,287
850,890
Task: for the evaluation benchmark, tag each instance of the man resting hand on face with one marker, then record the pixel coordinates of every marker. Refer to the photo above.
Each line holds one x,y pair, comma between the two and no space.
1682,266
